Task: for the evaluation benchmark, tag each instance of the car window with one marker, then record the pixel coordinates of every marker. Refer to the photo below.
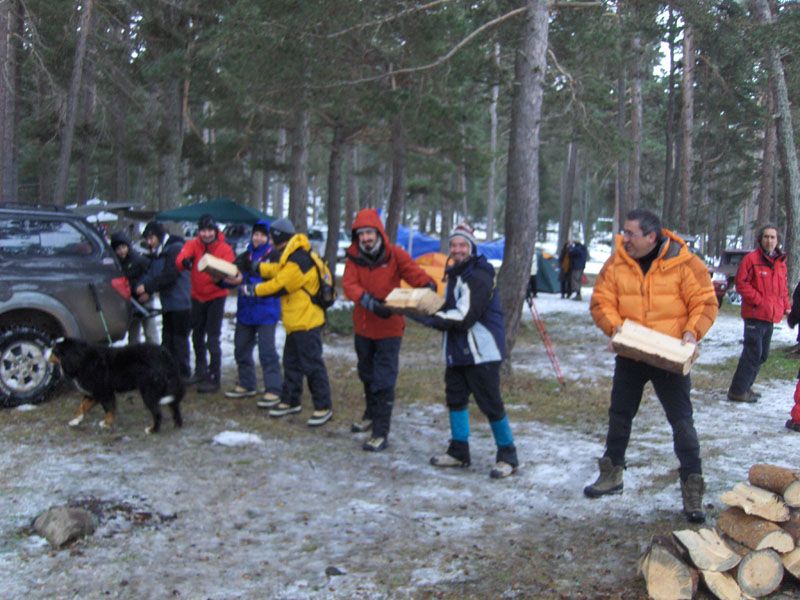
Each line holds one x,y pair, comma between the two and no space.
315,235
20,237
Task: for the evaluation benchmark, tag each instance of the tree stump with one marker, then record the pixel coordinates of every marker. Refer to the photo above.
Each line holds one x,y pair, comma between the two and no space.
667,576
777,479
753,532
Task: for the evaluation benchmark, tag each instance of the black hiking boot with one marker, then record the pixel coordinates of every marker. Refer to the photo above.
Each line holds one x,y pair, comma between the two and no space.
692,492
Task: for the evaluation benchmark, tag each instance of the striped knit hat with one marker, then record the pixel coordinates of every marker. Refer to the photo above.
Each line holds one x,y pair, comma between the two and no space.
463,230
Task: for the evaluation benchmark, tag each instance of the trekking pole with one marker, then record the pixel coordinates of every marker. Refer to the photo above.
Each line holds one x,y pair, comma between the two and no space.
99,309
548,345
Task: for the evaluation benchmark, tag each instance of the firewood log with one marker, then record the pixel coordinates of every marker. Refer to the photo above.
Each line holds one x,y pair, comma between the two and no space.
779,480
757,501
707,551
216,267
754,532
792,526
420,301
638,342
667,576
722,585
760,573
791,562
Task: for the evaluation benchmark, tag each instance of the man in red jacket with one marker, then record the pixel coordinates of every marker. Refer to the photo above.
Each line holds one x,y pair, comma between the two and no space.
208,302
374,268
761,281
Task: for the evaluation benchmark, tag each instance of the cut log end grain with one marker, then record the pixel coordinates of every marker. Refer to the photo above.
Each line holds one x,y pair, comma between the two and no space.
667,576
777,479
760,573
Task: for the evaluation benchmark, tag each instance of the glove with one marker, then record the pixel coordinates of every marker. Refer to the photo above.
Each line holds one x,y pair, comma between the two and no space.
374,305
248,289
791,321
243,263
188,263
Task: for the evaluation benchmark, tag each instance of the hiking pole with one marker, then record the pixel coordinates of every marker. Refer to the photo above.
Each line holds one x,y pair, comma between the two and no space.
548,345
99,309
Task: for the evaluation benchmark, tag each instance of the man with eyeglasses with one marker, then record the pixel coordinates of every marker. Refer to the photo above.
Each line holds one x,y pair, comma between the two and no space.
652,278
761,281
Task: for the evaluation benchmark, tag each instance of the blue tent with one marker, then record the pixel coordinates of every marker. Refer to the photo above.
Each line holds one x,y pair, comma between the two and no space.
423,244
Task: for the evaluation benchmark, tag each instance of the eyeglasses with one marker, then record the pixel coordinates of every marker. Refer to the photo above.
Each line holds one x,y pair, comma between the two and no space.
631,234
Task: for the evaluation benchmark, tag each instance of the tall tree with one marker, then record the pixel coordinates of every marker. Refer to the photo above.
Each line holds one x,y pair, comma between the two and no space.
298,182
687,123
522,203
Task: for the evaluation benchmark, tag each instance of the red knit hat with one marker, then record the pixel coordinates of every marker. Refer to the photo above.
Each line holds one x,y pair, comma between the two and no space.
463,230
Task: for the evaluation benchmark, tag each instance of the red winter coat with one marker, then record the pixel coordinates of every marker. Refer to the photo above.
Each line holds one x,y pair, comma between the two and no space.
203,287
378,278
761,281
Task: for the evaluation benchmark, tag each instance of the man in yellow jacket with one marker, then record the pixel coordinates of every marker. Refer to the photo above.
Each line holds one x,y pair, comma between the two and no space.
293,277
652,278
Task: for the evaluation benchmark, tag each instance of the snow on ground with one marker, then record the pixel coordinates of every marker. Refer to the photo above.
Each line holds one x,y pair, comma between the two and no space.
271,519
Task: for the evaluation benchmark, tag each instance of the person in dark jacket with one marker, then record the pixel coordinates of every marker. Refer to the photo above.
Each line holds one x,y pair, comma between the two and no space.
577,261
474,347
134,265
374,268
256,320
172,287
793,318
564,268
208,302
761,280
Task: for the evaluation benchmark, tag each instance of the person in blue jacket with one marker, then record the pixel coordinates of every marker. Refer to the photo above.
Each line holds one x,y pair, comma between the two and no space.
578,255
256,320
474,347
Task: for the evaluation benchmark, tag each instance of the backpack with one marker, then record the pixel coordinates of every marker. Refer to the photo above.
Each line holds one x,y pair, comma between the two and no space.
326,294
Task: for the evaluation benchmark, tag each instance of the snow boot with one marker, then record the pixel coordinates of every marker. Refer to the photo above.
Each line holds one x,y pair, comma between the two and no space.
209,386
269,400
792,426
608,482
375,444
457,455
320,417
692,491
238,391
361,426
747,396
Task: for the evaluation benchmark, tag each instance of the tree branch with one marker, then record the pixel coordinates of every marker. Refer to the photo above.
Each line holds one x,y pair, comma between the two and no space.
387,18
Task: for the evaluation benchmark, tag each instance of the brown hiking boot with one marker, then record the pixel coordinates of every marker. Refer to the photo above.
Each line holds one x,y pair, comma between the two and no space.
692,491
608,482
747,396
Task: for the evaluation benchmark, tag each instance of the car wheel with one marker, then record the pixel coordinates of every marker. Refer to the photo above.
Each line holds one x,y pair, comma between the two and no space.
26,374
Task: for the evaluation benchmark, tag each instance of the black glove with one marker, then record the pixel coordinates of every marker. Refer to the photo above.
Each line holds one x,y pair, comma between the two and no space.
374,305
188,263
243,263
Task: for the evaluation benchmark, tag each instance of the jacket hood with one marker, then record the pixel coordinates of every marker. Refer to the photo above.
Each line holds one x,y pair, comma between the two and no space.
674,251
368,217
299,241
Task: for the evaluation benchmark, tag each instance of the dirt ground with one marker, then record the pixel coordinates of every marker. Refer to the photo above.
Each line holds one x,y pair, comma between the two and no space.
306,513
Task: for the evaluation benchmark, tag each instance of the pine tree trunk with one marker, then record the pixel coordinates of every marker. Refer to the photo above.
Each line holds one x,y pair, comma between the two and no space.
570,168
669,124
334,194
765,188
169,156
351,188
398,193
8,101
522,205
86,140
621,207
68,128
492,183
687,123
786,144
298,184
278,192
634,172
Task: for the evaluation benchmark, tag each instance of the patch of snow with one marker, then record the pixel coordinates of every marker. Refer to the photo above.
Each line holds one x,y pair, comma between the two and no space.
237,438
26,407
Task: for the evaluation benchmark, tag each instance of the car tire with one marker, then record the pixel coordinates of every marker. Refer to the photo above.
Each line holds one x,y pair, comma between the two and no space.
26,374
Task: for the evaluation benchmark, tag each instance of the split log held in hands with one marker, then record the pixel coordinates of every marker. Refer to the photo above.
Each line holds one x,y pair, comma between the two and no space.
753,532
777,479
667,576
756,501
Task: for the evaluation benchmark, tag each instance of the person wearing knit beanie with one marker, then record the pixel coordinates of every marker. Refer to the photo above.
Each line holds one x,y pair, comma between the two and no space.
463,230
281,231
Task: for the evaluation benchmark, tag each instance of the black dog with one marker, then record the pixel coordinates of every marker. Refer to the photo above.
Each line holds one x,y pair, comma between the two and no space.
99,371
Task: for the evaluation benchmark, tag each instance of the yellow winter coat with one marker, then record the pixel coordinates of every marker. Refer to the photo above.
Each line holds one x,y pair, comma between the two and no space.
674,297
294,278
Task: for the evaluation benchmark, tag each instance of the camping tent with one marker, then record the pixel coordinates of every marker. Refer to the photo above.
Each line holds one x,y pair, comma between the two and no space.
547,273
223,210
433,263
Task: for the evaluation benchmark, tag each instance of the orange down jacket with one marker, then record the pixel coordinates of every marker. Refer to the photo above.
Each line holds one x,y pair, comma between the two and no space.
676,295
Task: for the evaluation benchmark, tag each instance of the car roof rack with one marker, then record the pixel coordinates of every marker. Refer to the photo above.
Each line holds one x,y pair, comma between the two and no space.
42,207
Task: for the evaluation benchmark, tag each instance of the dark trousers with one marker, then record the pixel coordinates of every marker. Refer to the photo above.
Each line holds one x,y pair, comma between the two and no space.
757,337
377,370
482,381
175,328
244,340
565,279
302,356
206,330
630,377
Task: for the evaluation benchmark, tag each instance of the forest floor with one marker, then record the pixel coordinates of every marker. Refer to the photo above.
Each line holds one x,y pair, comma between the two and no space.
306,513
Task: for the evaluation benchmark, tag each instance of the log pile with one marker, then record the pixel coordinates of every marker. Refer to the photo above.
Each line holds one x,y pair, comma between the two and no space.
756,541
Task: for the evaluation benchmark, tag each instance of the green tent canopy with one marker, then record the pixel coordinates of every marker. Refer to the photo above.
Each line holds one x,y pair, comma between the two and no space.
223,210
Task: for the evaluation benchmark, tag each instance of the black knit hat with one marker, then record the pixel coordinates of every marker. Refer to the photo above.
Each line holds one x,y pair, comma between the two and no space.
281,230
261,226
154,228
207,222
118,238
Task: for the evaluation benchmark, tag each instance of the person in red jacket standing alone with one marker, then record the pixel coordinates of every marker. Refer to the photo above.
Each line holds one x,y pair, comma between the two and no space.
374,268
208,302
761,281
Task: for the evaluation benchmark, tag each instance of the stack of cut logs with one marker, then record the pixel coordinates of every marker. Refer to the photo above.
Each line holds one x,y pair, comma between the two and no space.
757,538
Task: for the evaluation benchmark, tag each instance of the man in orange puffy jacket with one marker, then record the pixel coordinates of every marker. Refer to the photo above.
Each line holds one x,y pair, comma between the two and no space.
761,281
208,302
652,278
374,268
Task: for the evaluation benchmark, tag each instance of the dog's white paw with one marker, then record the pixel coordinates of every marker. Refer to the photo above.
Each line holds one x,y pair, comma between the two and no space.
148,430
103,425
76,421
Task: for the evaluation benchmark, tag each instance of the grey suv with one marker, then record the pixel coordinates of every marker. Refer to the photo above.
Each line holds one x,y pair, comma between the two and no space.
58,277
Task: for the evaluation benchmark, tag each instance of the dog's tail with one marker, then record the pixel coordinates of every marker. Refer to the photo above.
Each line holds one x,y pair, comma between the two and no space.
166,400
